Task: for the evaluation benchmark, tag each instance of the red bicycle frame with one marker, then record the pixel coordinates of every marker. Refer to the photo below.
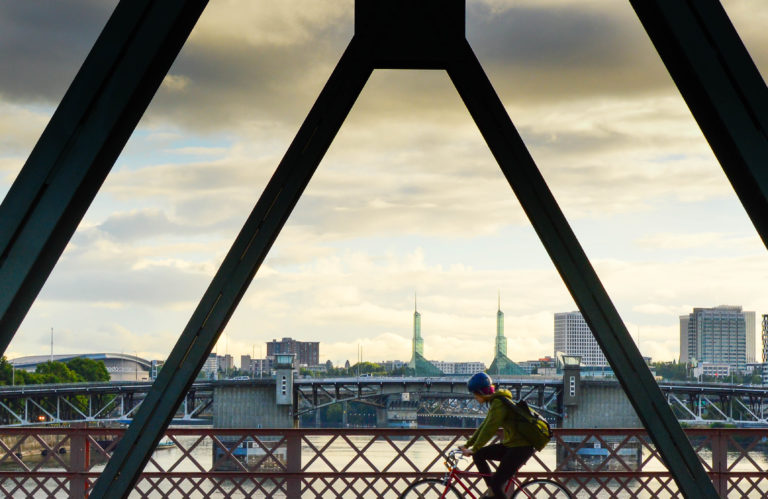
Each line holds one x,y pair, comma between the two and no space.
455,476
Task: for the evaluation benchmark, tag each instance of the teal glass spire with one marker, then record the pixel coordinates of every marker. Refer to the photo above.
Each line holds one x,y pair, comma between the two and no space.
501,340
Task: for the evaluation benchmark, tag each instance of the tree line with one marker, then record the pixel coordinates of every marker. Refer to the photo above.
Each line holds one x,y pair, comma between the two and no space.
78,370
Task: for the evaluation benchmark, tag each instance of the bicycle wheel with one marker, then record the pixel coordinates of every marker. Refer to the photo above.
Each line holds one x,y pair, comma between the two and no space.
430,488
541,489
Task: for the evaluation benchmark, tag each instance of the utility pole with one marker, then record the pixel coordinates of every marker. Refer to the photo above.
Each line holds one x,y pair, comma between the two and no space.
51,344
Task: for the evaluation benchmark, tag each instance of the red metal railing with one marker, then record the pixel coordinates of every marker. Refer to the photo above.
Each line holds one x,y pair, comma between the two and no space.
65,462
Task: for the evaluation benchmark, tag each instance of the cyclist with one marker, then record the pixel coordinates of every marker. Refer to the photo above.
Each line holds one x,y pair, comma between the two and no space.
514,450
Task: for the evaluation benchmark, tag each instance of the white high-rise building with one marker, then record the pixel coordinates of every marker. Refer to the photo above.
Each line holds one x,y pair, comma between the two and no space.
211,366
719,335
573,337
749,321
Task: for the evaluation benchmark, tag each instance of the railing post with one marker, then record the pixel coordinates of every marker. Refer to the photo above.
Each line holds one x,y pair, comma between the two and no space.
720,462
293,463
78,461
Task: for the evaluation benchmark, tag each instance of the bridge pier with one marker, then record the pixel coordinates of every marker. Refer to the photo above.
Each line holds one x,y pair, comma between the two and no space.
598,404
79,461
251,405
382,421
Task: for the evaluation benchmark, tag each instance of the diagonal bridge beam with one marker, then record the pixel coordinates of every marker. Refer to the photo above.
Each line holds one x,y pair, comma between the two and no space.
81,143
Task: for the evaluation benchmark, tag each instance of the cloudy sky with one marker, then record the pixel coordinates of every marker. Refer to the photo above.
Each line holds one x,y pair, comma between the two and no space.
408,199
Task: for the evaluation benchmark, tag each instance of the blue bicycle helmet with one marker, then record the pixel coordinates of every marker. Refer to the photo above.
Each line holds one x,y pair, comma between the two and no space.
478,382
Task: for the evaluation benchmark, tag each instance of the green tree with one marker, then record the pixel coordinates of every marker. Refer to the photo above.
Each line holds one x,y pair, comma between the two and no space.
367,368
89,369
6,371
672,370
332,415
56,372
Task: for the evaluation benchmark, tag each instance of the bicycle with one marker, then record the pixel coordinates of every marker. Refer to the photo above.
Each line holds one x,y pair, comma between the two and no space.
446,487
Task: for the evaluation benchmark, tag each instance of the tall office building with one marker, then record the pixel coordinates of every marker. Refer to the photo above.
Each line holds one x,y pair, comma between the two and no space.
307,352
765,337
573,337
684,354
717,336
245,363
226,362
211,366
749,322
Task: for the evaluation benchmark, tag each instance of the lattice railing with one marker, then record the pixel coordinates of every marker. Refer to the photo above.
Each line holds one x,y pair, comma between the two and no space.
65,462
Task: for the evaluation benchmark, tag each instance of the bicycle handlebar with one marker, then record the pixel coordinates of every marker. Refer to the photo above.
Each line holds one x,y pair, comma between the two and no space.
453,453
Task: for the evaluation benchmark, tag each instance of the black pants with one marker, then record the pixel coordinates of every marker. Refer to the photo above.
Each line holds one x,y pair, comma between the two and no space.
511,459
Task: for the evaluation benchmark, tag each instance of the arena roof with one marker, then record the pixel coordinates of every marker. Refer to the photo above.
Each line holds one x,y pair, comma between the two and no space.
34,360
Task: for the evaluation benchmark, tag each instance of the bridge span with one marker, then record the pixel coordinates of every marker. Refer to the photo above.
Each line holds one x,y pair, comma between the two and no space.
437,398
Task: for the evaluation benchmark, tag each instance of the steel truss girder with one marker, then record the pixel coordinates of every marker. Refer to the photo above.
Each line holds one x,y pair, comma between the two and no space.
711,407
65,408
722,87
315,395
727,99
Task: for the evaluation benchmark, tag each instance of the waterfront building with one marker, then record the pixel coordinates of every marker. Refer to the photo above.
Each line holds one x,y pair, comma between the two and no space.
226,363
539,366
391,365
718,336
574,337
245,363
445,366
759,369
261,367
458,368
468,368
712,369
320,368
211,366
307,352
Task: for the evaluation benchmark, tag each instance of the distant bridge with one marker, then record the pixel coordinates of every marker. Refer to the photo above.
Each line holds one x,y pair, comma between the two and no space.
24,405
692,403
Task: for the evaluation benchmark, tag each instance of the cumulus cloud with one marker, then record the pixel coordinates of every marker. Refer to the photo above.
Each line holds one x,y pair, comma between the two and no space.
408,197
43,44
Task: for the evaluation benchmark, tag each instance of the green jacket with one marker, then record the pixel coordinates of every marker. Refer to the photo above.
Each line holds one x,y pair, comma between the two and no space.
498,416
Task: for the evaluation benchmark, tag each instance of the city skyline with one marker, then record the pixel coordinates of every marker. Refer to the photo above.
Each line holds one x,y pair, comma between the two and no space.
407,197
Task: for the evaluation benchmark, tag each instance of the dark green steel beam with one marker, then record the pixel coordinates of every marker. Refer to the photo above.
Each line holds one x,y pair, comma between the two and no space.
576,271
722,87
81,143
235,274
